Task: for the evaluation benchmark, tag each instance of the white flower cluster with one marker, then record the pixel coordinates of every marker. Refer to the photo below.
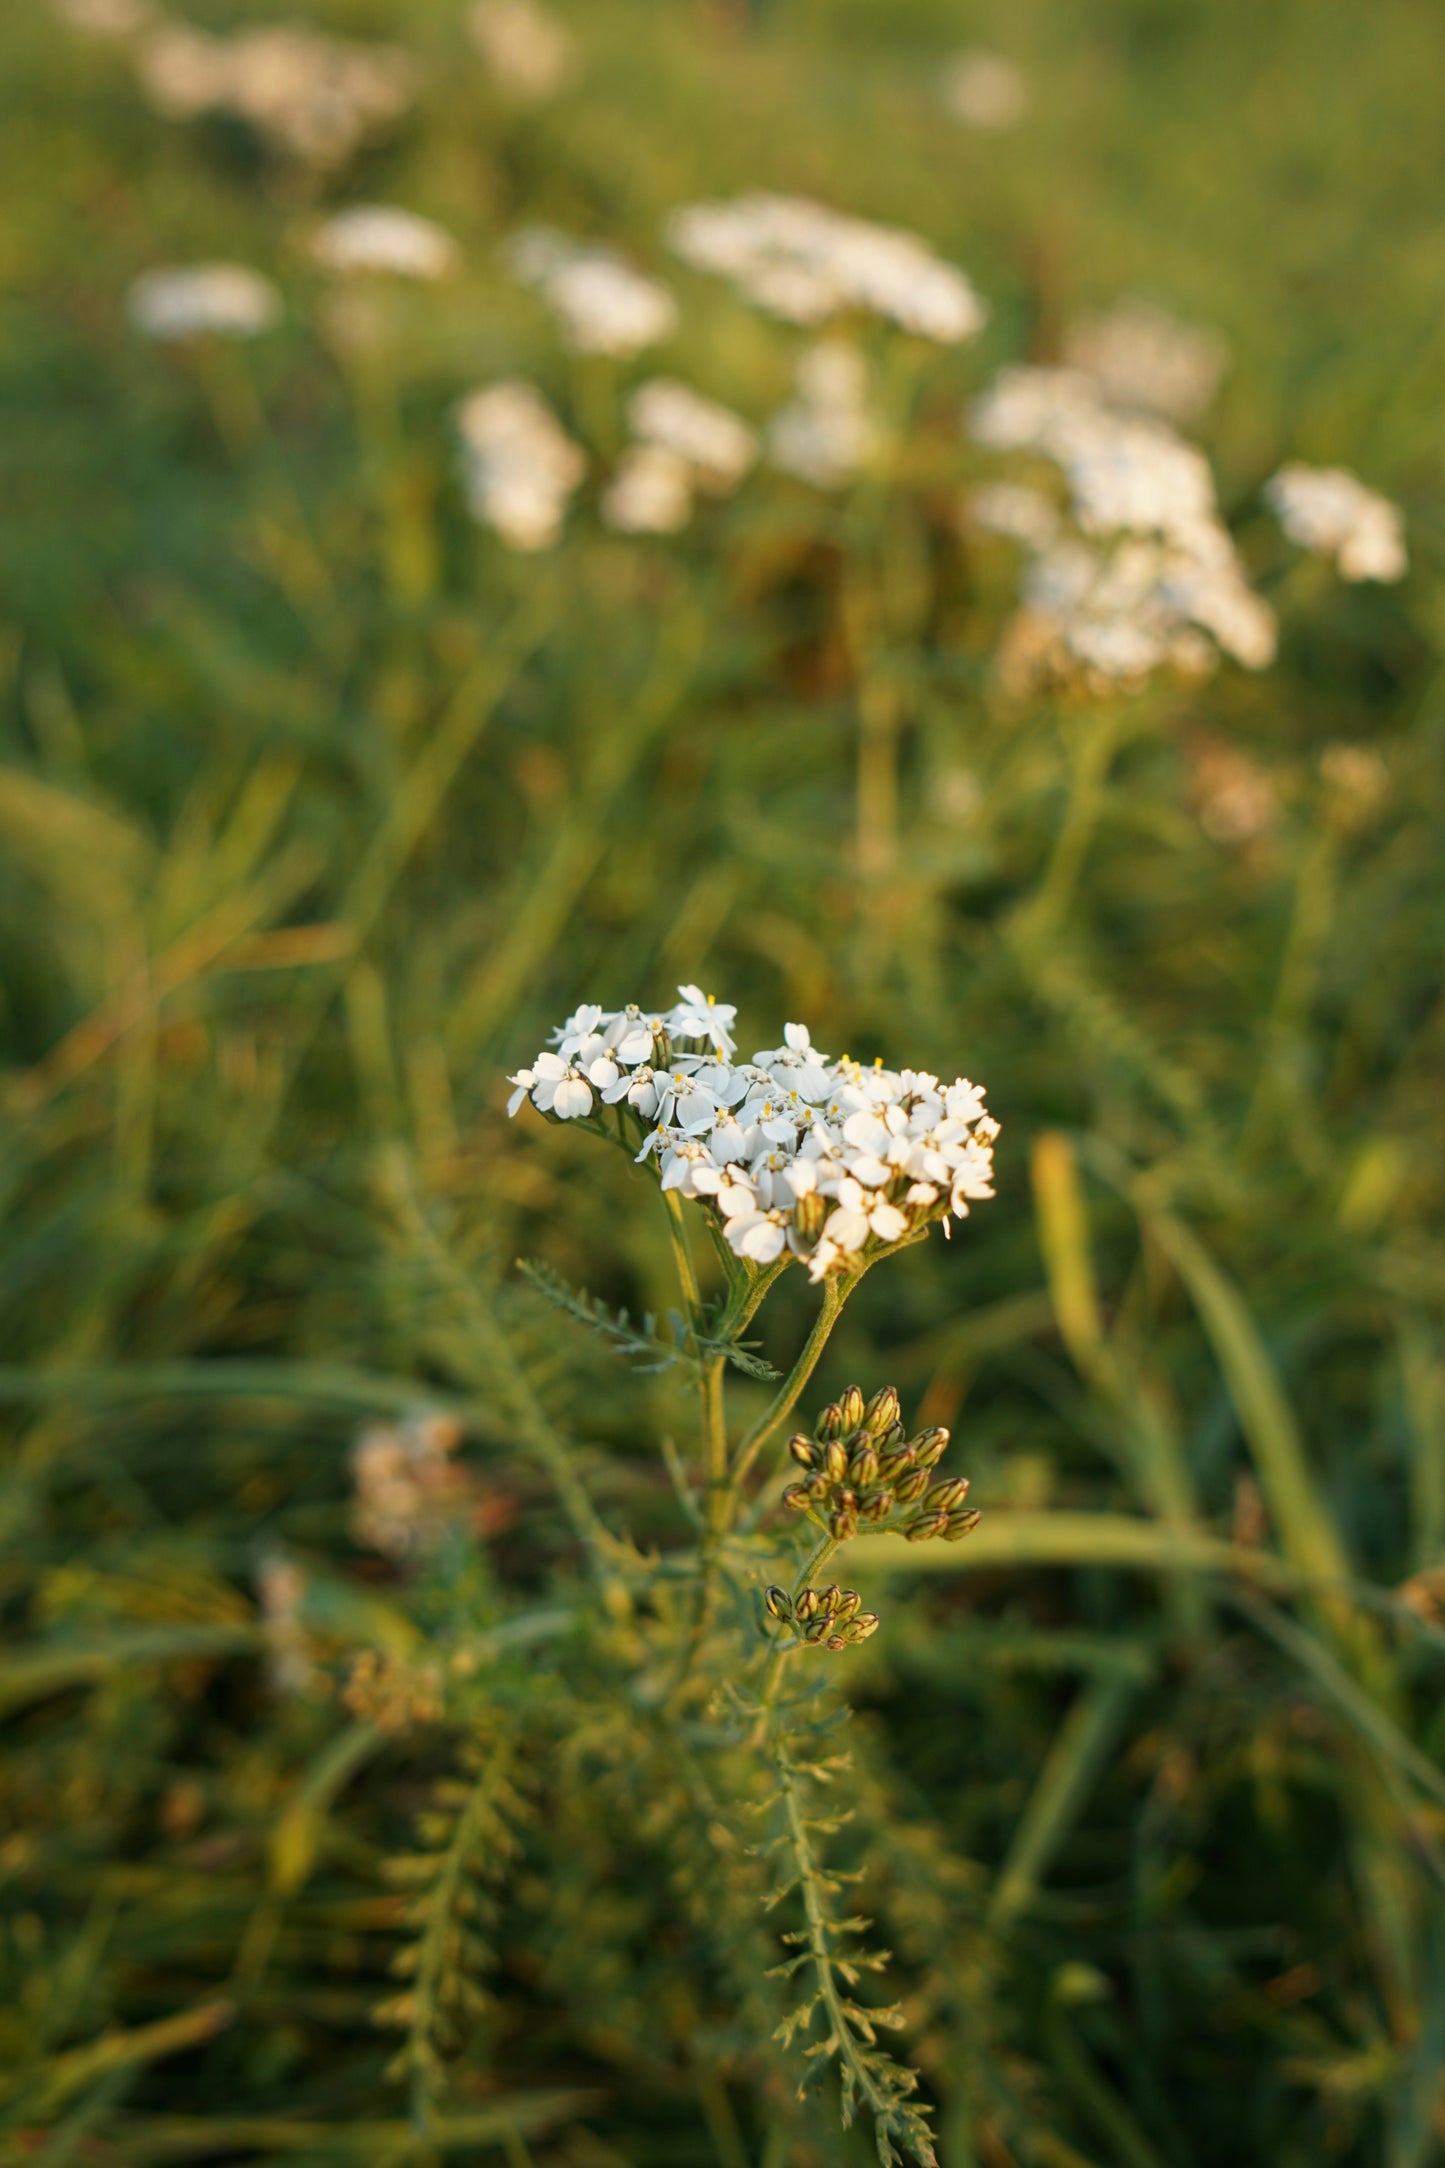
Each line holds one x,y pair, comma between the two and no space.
793,1151
984,91
601,303
826,434
317,97
1139,356
520,466
225,300
1329,510
1150,568
684,443
105,18
382,237
803,262
529,52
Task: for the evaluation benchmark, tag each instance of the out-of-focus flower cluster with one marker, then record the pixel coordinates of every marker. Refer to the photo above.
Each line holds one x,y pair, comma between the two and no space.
191,301
826,435
805,262
409,1488
602,305
865,1474
985,91
1329,510
530,53
382,237
683,443
1143,570
793,1152
317,97
1139,356
520,467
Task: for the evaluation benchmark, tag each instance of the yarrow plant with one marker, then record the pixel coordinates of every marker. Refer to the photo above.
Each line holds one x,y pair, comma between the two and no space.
793,1156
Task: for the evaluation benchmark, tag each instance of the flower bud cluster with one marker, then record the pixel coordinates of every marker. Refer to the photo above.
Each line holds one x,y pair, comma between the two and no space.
865,1472
830,1617
795,1153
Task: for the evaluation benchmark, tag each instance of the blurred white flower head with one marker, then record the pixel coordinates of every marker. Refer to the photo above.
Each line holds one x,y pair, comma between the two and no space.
602,305
530,53
1330,511
651,492
520,466
1151,566
381,237
805,263
717,445
826,435
409,1489
984,91
105,18
225,300
795,1153
1014,510
1136,355
317,97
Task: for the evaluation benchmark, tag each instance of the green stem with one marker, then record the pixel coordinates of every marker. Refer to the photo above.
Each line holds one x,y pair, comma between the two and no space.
835,1294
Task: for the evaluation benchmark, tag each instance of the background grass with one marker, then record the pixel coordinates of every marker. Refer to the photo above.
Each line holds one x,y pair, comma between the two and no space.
318,808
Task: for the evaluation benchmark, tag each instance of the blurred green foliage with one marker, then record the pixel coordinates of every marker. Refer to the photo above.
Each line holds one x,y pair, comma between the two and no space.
317,809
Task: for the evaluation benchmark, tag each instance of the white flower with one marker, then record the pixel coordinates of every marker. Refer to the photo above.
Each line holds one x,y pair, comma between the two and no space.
827,434
105,18
384,238
602,304
316,96
1137,356
701,1016
223,299
984,91
804,262
529,52
1329,510
1015,510
520,466
759,1236
716,445
651,492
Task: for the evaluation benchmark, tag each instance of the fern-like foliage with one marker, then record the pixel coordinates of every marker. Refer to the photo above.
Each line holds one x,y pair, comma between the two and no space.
466,1841
830,1958
641,1344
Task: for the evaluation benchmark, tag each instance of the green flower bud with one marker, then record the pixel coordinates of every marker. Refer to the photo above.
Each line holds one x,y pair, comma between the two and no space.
801,1448
847,1603
817,1486
806,1605
850,1407
818,1631
863,1468
882,1412
829,1598
929,1448
835,1461
837,1642
927,1524
866,1623
912,1486
843,1524
943,1497
895,1461
876,1506
776,1603
830,1423
962,1524
796,1497
809,1214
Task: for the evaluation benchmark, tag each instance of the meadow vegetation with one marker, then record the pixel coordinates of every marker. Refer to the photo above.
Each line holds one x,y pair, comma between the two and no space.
398,1763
